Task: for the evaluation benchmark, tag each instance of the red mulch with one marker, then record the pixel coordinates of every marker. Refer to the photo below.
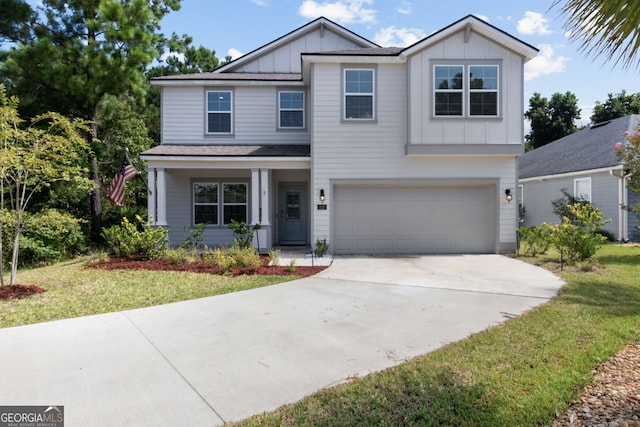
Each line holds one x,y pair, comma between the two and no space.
133,263
19,291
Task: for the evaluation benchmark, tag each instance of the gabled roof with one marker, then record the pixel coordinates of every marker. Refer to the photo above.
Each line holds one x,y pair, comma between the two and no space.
589,148
473,23
321,22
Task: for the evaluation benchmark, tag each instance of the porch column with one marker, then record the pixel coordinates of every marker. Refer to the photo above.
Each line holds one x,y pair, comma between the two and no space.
161,197
264,196
255,196
151,195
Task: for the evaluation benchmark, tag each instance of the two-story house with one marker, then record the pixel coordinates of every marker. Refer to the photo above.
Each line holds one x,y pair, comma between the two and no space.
322,134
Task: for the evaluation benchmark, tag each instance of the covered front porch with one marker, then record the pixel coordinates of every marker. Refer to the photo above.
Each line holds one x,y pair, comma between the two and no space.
212,185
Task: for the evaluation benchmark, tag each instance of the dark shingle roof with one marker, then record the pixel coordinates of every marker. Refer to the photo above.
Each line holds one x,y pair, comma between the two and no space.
229,150
589,148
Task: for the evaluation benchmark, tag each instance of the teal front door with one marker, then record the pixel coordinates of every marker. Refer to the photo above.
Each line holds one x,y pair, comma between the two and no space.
293,214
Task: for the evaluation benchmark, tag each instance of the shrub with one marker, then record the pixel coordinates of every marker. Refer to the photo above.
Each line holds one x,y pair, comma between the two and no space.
144,240
274,257
46,237
535,240
179,256
220,258
322,247
246,257
194,240
577,237
291,268
243,233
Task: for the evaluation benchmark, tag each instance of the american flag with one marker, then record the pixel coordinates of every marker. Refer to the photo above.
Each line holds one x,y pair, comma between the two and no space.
124,174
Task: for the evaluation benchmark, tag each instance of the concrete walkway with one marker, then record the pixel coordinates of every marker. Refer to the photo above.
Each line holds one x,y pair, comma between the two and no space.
224,358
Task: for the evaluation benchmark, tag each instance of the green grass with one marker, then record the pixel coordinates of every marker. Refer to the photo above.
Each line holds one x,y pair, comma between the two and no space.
519,373
74,290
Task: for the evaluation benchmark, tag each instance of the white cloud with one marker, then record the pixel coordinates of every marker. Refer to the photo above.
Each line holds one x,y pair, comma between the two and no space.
405,8
234,53
260,2
547,62
179,56
401,37
533,23
342,11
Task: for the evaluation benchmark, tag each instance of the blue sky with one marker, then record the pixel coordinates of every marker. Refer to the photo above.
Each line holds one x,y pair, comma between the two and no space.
235,27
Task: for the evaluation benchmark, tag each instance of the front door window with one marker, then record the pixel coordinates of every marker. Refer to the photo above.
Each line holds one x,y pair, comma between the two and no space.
293,205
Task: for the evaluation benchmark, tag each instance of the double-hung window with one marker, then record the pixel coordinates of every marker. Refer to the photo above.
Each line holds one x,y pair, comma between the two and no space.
291,109
358,94
216,203
219,111
466,90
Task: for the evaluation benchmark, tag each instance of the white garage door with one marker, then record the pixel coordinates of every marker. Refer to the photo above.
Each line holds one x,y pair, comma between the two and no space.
414,219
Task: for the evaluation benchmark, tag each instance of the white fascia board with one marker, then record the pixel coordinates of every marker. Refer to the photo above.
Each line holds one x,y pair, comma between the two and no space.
353,59
200,83
570,174
208,162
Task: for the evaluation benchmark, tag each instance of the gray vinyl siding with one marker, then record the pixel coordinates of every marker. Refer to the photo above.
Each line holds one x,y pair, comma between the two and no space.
255,114
424,128
180,204
375,150
539,194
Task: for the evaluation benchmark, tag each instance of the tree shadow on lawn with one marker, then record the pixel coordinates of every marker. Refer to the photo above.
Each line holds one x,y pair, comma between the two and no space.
614,298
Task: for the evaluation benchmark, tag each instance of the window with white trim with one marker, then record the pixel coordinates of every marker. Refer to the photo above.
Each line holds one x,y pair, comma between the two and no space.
582,189
219,111
466,90
291,109
358,94
216,203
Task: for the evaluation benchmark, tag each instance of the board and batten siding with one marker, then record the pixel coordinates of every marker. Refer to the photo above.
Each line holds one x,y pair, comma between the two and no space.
286,58
538,195
375,151
424,128
255,117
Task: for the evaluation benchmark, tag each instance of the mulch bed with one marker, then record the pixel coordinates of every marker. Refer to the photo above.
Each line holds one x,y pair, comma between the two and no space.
133,263
19,291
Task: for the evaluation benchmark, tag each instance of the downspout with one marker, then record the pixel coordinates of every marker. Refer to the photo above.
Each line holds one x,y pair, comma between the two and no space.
623,225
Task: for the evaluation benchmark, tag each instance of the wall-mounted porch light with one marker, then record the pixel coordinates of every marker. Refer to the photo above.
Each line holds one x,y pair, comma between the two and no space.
322,194
507,195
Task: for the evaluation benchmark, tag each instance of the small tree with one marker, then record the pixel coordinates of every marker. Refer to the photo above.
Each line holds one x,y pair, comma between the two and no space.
34,157
629,153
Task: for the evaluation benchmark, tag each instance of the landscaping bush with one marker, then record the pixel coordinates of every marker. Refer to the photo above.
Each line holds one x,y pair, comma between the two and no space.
46,237
535,240
577,238
143,239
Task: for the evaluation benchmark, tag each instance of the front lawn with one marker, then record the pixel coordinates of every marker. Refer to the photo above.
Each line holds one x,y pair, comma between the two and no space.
73,290
519,373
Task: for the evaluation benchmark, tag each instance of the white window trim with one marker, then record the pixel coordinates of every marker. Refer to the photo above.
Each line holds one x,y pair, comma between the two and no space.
223,204
575,189
280,109
466,91
220,203
497,90
371,94
462,91
194,203
206,122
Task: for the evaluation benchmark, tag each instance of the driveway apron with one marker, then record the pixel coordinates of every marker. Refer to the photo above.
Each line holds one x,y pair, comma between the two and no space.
206,361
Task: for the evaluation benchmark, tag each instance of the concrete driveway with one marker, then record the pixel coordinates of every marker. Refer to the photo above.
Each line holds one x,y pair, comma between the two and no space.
224,358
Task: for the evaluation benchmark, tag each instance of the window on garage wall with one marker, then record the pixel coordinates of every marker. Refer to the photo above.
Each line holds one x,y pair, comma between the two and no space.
582,188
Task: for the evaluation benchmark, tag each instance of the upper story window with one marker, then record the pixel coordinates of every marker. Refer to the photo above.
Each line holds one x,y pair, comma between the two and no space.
291,109
219,111
582,189
466,90
358,94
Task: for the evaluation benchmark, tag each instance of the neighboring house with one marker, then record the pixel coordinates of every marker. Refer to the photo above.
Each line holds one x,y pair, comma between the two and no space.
585,164
322,134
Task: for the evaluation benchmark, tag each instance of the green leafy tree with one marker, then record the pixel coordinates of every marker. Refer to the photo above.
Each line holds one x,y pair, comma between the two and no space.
618,105
69,54
610,28
551,119
34,156
629,153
